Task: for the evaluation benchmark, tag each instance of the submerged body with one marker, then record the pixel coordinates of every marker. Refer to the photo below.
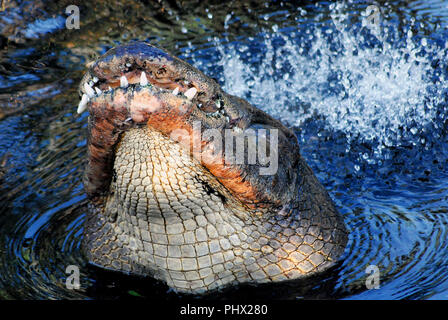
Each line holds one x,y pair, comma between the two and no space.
167,201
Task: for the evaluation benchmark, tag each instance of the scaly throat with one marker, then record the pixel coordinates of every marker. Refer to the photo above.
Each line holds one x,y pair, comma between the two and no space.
157,178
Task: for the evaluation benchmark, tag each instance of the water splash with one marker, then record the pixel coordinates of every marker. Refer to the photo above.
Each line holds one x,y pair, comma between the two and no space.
382,89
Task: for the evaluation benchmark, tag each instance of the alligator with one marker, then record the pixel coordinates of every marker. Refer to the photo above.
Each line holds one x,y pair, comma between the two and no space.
171,198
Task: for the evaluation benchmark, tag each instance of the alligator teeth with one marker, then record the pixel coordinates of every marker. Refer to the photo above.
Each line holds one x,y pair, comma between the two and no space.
98,91
95,79
176,91
143,79
83,104
190,93
89,90
124,82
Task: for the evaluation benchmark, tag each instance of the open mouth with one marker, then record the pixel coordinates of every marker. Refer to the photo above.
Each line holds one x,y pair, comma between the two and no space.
153,71
130,82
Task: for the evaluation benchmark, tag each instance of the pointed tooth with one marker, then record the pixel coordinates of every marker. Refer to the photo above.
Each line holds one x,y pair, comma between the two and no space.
83,104
98,91
176,91
124,82
89,90
109,89
95,79
190,93
143,79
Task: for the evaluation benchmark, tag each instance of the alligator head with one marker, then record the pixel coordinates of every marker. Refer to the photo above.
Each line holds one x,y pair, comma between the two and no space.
194,186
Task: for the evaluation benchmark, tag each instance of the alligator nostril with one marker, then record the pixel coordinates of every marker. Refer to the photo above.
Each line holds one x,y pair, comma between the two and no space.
161,72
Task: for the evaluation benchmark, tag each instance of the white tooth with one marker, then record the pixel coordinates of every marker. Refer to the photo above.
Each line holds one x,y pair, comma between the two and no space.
91,83
83,103
95,79
124,82
176,91
190,93
227,119
98,91
143,79
109,89
128,65
89,90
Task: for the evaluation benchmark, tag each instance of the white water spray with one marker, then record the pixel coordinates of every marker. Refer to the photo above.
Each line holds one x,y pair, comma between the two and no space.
372,93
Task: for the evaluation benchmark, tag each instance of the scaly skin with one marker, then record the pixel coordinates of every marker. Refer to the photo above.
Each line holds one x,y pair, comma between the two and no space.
165,203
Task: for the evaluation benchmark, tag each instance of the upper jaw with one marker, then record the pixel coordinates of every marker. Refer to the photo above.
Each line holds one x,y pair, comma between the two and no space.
140,64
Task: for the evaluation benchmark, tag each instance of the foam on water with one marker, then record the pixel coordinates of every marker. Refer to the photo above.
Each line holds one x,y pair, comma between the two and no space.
383,89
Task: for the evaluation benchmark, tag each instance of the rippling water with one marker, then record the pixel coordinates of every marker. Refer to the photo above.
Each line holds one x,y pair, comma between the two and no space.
369,107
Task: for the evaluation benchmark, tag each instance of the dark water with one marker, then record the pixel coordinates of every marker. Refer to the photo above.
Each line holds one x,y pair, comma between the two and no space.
369,107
